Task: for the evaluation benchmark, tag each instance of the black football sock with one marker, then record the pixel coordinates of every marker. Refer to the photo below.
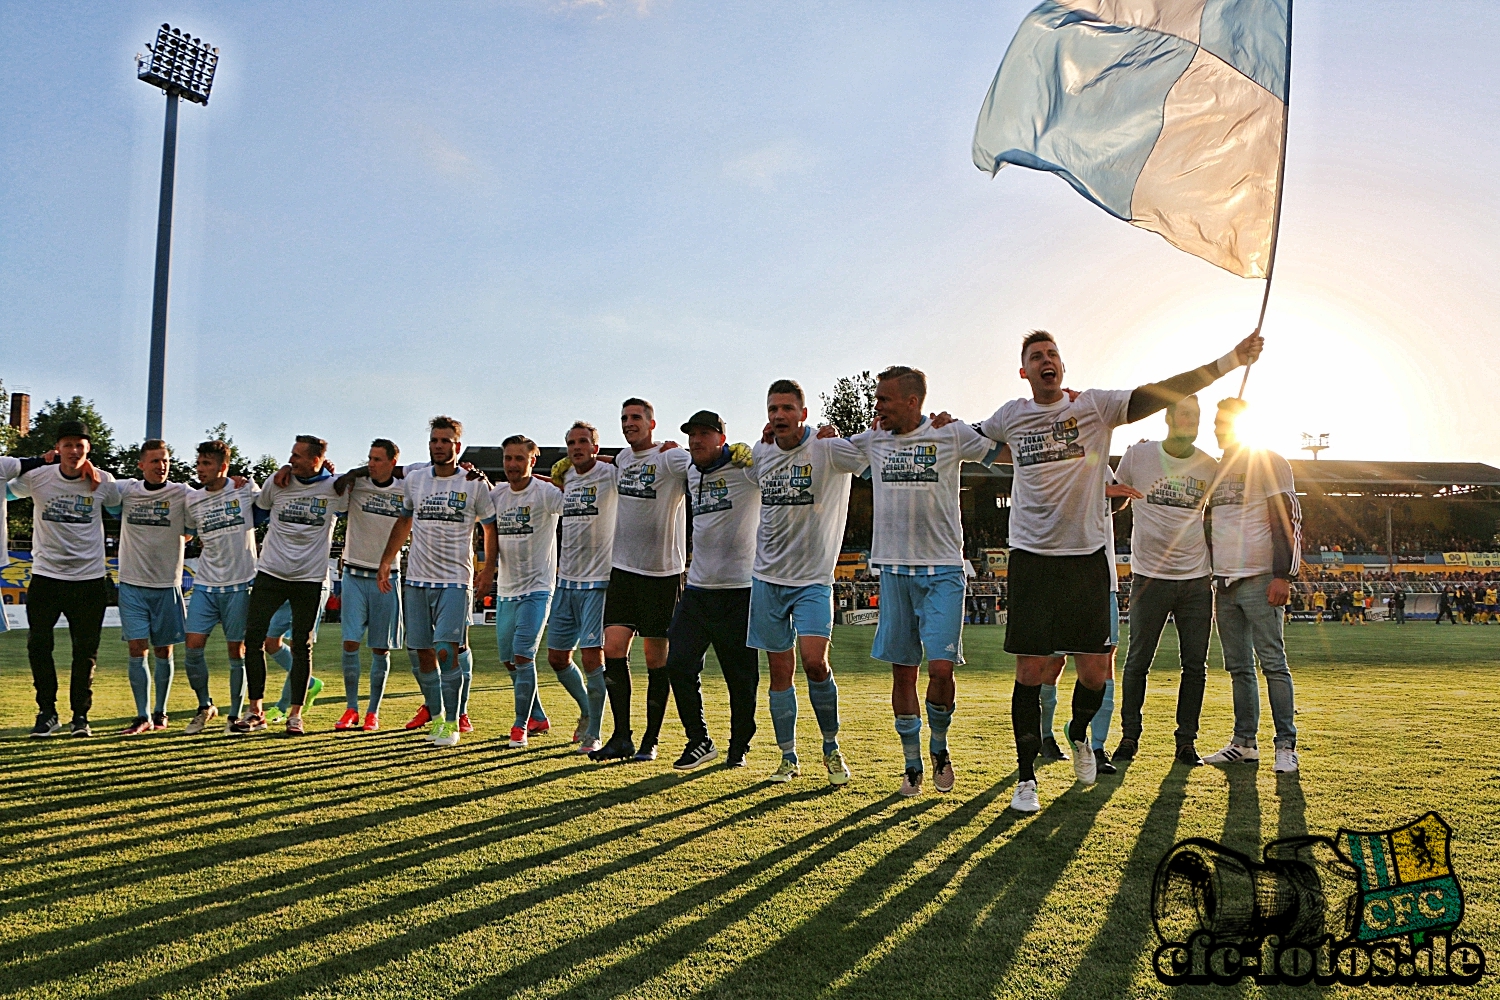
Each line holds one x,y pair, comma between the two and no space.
658,693
617,685
1026,720
1086,702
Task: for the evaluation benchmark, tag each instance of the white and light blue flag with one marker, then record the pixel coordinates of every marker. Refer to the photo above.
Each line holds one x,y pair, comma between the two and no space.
1168,114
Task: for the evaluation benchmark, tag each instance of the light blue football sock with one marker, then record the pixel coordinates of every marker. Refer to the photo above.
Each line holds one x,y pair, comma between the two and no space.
939,717
431,685
1099,724
140,686
197,675
571,678
523,678
165,670
465,680
452,680
1049,708
596,689
380,669
236,686
351,679
538,713
784,721
909,728
824,695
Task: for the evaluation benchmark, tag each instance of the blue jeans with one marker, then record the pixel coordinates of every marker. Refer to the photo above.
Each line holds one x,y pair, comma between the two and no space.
1250,629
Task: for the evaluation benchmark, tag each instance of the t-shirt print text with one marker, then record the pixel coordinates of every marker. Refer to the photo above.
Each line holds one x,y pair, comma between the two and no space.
638,481
789,487
72,509
384,504
447,506
516,521
228,514
1230,491
150,513
305,510
711,496
915,463
1178,491
581,501
1059,446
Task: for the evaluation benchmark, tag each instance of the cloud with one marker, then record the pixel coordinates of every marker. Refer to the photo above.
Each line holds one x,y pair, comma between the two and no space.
760,168
609,8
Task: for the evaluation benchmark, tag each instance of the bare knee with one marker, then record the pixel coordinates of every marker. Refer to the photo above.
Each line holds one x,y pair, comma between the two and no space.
353,647
559,659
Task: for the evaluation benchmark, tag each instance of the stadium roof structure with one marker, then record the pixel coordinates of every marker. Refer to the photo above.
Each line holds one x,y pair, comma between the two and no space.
1445,480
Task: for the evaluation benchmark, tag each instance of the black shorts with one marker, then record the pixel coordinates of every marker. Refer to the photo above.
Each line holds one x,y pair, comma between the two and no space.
1058,604
642,603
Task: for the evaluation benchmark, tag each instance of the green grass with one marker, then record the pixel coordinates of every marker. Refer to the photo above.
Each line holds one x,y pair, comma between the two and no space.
352,865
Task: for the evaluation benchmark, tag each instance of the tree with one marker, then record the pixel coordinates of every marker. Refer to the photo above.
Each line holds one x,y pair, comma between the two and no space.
44,424
260,470
851,407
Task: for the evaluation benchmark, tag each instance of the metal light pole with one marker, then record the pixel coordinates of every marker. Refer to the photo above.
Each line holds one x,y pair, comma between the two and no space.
182,66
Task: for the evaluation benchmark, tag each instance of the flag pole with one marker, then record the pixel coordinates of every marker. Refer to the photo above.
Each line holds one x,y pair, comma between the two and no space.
1286,115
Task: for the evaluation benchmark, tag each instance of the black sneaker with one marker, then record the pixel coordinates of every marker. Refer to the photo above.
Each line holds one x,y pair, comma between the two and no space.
81,726
1102,764
1187,754
646,752
697,752
46,724
619,747
1050,749
736,756
1126,749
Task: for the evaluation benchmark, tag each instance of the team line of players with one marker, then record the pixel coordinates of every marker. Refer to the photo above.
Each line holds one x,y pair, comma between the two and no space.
768,522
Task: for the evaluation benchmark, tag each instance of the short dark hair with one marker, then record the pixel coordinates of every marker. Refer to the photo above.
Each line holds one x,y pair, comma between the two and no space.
391,451
316,446
913,381
638,401
218,449
583,425
1172,406
786,386
523,441
447,423
153,444
1035,337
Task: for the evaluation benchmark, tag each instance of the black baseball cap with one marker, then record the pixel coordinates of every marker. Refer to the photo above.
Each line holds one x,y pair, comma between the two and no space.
73,429
704,418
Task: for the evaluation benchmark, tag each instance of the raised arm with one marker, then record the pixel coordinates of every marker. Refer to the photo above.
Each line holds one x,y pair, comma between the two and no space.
1154,396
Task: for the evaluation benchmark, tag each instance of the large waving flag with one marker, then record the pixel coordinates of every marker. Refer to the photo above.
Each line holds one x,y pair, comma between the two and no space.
1169,114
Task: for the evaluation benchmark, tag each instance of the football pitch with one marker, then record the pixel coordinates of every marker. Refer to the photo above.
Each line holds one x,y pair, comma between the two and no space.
355,865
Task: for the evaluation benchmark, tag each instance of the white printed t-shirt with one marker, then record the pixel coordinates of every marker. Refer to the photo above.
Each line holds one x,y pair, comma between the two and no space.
590,504
1166,535
526,535
152,523
916,479
10,468
1061,458
651,525
372,511
804,502
444,510
1241,519
225,525
67,522
301,528
726,514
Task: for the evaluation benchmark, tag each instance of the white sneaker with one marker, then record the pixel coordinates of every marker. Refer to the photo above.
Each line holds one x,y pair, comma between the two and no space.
437,729
1234,754
1023,799
589,745
449,737
1085,767
1286,760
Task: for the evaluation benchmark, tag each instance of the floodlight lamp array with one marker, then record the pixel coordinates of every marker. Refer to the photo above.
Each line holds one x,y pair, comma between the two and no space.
179,63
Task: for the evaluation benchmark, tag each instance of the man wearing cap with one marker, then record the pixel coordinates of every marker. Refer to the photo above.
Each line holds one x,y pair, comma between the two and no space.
715,607
68,576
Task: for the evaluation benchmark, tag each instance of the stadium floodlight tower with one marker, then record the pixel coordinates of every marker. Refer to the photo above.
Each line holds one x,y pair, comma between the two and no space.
182,66
1314,443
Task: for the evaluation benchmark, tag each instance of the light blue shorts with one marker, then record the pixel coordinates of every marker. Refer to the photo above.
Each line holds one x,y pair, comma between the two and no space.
518,624
920,613
226,610
367,609
577,619
779,614
436,614
155,613
281,621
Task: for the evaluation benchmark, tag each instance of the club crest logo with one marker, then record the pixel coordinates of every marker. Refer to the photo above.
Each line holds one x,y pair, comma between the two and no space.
516,521
1065,431
69,509
1378,907
914,464
150,513
581,501
638,481
713,496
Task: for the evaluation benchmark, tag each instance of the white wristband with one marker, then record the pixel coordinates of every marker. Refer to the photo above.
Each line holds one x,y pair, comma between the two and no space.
1227,363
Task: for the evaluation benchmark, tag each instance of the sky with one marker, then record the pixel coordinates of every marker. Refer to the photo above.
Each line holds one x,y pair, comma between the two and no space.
522,213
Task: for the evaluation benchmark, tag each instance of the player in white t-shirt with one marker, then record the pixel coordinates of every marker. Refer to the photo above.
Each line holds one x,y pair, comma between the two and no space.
376,500
1060,568
590,503
442,507
10,468
527,509
715,605
1256,532
153,614
293,569
68,575
1170,572
918,549
222,514
804,482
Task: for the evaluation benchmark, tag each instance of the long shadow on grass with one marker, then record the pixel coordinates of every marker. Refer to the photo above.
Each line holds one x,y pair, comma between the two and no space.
448,922
1242,817
1108,967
